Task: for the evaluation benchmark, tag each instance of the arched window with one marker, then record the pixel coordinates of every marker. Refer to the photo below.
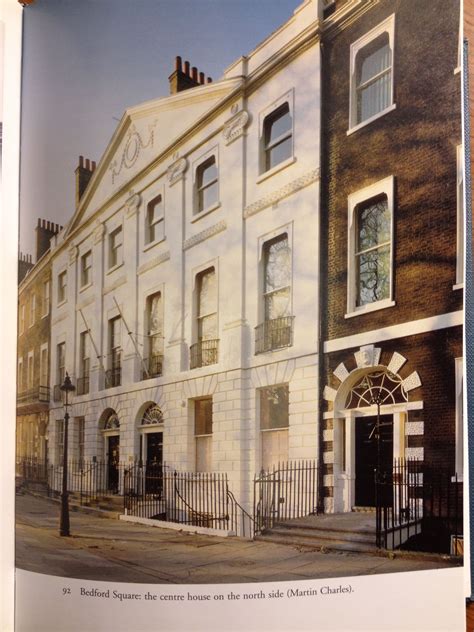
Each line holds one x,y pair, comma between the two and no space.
112,421
152,416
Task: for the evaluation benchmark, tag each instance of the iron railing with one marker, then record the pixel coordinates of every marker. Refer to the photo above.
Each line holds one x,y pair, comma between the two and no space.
274,334
37,394
32,470
204,353
195,498
153,365
418,507
82,386
289,490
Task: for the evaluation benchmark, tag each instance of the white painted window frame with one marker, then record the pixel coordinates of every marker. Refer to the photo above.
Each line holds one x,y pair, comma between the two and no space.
62,287
387,26
46,297
263,173
460,218
262,241
20,377
22,319
32,317
148,243
113,261
197,165
459,416
30,370
382,187
86,269
44,347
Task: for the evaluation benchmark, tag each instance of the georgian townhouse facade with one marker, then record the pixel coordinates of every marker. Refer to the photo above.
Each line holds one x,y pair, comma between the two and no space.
33,351
185,287
392,237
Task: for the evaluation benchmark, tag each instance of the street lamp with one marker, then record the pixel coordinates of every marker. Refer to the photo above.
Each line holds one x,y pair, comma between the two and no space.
67,387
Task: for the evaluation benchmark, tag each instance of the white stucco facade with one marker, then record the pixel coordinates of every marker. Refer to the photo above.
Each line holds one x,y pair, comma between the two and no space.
158,149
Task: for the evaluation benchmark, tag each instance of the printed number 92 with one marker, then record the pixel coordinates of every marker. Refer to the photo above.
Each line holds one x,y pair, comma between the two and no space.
66,591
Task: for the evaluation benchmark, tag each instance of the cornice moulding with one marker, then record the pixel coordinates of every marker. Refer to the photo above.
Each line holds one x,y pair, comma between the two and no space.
149,265
205,234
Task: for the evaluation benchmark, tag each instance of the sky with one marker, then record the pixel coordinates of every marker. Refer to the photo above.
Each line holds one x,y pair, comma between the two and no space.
86,61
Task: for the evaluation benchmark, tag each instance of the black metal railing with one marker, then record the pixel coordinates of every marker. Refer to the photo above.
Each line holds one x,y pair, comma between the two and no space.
274,334
113,377
82,386
418,507
204,353
153,366
32,470
37,394
195,498
289,490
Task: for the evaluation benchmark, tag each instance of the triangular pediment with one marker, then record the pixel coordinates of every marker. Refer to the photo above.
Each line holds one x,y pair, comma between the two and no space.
146,133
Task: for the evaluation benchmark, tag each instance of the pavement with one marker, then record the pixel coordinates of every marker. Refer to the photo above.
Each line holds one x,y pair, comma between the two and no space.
104,549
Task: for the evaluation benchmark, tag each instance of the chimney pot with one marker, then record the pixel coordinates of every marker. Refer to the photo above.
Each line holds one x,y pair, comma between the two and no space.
201,77
81,161
88,165
186,67
178,63
93,165
195,73
209,80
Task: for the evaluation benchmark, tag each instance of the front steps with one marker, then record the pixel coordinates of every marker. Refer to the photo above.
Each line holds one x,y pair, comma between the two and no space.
350,532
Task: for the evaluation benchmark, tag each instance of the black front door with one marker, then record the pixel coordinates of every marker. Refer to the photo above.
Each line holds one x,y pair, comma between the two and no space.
154,462
366,456
113,457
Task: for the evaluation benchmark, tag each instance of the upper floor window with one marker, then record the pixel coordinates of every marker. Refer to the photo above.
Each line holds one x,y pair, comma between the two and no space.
22,318
370,247
207,185
203,434
114,372
46,297
62,286
115,247
86,269
154,316
204,351
154,230
32,309
44,365
276,330
30,370
277,136
371,92
84,364
20,385
460,215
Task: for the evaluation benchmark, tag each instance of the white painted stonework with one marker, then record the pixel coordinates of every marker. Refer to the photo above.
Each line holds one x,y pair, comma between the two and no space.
156,150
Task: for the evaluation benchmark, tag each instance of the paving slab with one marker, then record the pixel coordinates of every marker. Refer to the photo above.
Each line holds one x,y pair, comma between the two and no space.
106,549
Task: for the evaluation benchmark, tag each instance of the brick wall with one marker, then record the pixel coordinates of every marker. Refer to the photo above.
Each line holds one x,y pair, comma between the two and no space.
416,143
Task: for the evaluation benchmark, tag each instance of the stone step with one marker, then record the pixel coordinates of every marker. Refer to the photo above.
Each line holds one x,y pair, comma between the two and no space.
319,544
291,531
327,527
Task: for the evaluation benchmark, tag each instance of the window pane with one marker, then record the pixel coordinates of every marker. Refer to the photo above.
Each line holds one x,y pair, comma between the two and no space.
203,416
278,153
373,224
274,409
374,59
208,327
208,196
373,269
277,304
374,78
277,264
207,288
277,124
207,172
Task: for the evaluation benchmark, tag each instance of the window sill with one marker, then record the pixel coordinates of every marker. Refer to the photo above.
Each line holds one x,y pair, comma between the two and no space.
458,480
205,212
277,168
152,244
83,288
353,129
115,267
458,286
457,70
371,307
274,429
61,303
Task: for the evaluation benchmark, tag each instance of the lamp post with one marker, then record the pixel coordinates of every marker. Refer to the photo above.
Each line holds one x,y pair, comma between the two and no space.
67,387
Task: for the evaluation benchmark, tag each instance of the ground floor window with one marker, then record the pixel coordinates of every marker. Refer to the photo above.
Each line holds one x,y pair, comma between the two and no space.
274,423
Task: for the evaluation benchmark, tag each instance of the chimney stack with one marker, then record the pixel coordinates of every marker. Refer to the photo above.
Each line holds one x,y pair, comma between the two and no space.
24,266
186,77
45,230
84,172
